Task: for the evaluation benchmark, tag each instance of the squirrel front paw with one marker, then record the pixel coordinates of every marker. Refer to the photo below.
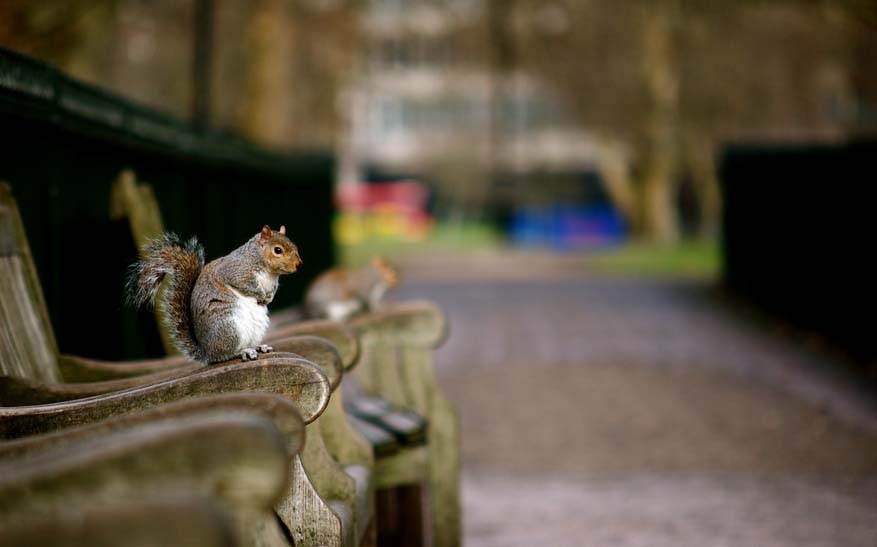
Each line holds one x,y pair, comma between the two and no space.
264,348
249,354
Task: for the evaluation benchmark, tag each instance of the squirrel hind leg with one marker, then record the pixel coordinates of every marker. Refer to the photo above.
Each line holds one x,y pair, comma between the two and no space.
264,348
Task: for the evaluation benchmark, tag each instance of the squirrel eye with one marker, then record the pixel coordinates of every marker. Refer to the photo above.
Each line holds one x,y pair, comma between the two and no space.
278,251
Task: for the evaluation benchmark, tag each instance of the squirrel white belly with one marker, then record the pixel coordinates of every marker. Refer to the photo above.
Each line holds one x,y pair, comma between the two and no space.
250,320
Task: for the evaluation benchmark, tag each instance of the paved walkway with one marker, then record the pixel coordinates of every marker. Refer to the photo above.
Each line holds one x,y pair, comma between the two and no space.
630,412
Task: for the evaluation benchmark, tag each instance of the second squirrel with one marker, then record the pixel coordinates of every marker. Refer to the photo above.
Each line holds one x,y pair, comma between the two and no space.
218,311
341,293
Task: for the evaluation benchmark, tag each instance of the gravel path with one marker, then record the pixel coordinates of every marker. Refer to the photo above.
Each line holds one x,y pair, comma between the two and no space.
668,511
631,412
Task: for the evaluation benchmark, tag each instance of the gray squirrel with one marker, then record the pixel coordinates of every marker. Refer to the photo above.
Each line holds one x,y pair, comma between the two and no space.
218,311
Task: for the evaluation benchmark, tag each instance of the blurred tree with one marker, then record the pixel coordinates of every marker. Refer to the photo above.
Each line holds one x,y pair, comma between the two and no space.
265,101
274,67
202,63
140,49
657,24
663,81
56,31
861,27
297,57
617,67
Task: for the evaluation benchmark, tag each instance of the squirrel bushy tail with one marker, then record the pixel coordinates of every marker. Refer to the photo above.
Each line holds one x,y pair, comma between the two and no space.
182,261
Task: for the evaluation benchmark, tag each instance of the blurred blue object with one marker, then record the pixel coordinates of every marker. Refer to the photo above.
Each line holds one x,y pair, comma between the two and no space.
567,227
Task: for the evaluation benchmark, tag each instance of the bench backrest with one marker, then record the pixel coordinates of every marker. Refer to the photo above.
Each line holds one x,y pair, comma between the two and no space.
135,201
27,342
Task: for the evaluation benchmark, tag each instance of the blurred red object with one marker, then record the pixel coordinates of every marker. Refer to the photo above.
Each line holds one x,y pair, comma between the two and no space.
387,209
405,196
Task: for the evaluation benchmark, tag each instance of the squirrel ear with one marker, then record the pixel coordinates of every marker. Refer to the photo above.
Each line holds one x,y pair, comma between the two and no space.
283,230
266,232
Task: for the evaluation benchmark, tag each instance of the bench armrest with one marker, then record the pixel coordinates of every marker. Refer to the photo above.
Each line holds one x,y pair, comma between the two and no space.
318,351
82,369
344,340
187,522
77,369
22,391
19,391
85,377
239,458
414,323
281,411
282,374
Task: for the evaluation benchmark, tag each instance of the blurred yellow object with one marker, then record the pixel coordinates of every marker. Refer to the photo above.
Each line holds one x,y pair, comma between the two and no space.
349,228
385,223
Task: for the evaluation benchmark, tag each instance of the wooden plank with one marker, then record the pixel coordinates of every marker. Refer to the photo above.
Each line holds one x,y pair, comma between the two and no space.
186,522
240,457
291,377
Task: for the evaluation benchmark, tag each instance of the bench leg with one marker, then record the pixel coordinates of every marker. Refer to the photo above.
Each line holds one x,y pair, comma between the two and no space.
444,474
370,536
308,517
401,516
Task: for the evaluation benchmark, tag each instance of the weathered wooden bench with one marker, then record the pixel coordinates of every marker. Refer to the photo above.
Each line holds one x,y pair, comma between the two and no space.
386,429
397,363
417,328
398,394
318,507
135,202
396,366
210,469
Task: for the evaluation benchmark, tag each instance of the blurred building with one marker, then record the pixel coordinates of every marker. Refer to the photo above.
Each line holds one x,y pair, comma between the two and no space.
428,104
415,91
426,93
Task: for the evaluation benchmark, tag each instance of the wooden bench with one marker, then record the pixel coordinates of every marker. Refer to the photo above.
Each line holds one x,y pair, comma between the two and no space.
416,329
317,506
397,363
209,468
135,202
387,430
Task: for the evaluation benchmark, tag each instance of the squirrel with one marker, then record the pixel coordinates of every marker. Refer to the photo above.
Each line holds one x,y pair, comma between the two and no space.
340,293
218,311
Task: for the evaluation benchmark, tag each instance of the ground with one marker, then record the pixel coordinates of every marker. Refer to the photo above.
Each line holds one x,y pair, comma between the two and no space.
612,410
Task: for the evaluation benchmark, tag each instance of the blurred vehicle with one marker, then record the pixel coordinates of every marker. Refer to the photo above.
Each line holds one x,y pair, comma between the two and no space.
567,227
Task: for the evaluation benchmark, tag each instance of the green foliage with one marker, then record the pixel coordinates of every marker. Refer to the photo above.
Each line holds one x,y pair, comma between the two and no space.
699,259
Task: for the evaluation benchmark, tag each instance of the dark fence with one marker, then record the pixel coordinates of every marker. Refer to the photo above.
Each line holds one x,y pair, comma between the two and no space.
799,236
64,145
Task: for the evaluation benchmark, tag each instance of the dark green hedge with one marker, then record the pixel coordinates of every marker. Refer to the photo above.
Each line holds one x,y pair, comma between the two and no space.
799,235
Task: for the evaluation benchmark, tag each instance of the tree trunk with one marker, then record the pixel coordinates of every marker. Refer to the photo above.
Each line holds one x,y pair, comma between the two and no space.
700,162
658,152
614,167
265,113
659,218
